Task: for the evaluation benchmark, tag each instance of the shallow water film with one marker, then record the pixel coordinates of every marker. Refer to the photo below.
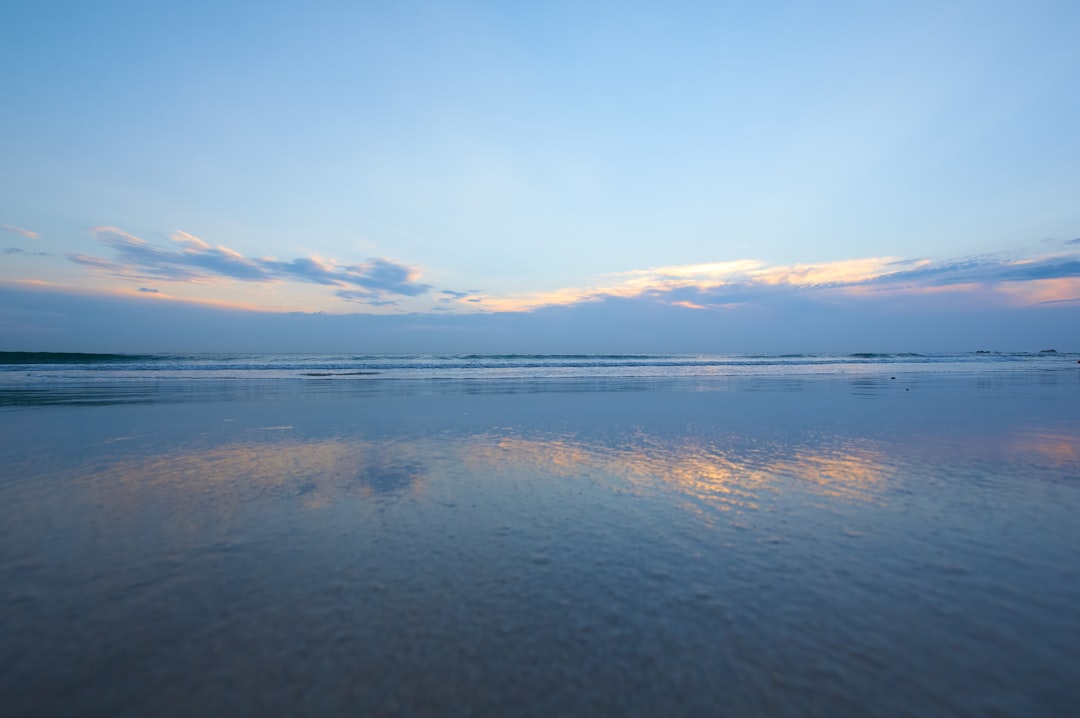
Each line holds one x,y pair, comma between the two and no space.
750,546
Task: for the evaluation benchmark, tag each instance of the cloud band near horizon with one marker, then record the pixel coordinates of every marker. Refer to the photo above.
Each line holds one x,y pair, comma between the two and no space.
723,285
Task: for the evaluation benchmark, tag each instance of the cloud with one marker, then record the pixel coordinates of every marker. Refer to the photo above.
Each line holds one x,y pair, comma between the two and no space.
828,274
728,279
725,284
716,286
365,297
197,261
1073,241
376,278
19,230
450,296
104,266
1051,268
17,250
148,290
43,318
983,270
383,275
1072,300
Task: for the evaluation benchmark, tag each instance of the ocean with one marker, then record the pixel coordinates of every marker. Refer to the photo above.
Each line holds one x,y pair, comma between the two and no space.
840,535
51,376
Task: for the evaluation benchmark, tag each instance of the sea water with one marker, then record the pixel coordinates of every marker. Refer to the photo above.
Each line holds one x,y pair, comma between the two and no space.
540,535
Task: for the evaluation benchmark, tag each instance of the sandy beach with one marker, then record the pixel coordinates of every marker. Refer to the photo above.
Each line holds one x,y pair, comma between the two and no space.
765,546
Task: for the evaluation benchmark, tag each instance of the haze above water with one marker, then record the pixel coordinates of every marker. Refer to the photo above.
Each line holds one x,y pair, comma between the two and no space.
773,542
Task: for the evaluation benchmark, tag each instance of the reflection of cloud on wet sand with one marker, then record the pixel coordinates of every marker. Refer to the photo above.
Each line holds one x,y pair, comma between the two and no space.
729,475
1037,453
314,473
718,473
842,472
725,477
391,477
1055,450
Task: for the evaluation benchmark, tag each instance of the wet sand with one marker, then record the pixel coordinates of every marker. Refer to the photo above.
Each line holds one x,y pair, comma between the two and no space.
753,547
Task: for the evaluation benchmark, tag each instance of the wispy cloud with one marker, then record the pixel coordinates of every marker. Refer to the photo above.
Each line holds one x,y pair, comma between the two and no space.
450,296
194,260
364,296
984,270
17,250
142,292
728,284
19,230
105,266
727,280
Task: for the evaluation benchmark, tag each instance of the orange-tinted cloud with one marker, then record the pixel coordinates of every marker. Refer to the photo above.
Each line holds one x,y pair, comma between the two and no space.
1041,291
143,293
735,283
19,230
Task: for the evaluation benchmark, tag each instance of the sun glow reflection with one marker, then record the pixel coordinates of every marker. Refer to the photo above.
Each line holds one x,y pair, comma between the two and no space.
702,476
726,478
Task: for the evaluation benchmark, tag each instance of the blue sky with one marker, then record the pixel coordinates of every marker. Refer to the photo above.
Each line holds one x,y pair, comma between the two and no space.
743,163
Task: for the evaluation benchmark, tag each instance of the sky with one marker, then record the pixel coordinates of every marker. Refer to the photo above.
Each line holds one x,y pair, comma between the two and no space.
579,176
